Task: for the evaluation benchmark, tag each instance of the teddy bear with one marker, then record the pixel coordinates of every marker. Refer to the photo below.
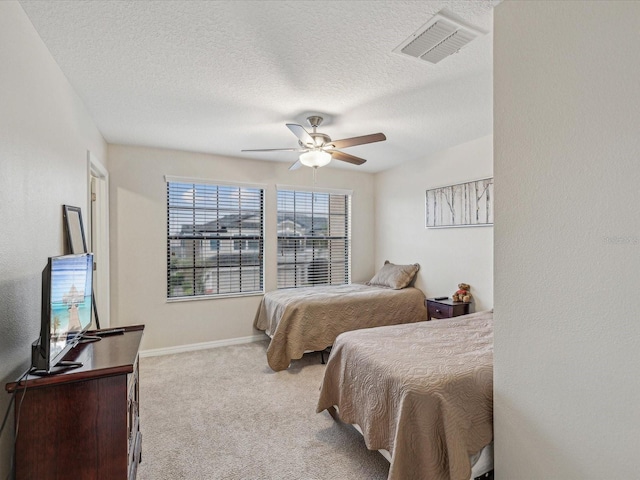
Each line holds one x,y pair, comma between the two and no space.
463,294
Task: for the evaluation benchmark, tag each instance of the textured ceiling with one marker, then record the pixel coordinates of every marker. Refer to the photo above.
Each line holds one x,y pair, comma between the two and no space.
221,76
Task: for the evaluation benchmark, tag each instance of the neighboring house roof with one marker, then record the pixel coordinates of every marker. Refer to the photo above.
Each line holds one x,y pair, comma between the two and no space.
306,222
248,221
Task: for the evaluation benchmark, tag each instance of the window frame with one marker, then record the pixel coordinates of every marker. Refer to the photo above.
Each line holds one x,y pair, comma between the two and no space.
194,182
348,194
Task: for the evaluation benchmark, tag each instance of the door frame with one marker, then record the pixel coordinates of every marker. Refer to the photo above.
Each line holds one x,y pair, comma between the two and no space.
100,247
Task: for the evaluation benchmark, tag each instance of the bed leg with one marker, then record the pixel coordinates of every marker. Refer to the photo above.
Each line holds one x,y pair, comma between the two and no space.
334,413
322,352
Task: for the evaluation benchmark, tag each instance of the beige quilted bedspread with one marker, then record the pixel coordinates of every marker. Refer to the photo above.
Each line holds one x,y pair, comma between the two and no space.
310,319
424,392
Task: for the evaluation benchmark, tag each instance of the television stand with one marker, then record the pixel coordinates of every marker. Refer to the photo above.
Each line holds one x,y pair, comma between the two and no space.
65,364
83,423
60,367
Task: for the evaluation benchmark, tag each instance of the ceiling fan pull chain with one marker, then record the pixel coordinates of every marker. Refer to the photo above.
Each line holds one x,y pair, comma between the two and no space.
315,169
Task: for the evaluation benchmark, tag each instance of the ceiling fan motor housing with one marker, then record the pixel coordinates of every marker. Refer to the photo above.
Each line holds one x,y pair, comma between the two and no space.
319,139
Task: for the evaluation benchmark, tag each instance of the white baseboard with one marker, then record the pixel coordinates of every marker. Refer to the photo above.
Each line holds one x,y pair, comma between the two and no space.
155,352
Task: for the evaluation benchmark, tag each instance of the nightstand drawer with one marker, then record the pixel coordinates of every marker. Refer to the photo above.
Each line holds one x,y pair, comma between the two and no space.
445,308
438,310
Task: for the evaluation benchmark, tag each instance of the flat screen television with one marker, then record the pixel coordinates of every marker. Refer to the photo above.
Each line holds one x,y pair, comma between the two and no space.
67,285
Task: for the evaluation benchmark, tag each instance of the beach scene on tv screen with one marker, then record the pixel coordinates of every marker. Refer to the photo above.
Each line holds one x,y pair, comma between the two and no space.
70,300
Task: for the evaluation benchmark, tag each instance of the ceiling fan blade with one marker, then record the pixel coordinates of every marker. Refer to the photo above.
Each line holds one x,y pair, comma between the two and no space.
345,157
295,166
301,133
276,150
353,141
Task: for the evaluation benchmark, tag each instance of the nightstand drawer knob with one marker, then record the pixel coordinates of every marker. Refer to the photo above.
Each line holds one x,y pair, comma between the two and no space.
437,310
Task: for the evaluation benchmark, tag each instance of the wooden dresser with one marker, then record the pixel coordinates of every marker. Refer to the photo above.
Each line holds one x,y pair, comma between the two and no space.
83,424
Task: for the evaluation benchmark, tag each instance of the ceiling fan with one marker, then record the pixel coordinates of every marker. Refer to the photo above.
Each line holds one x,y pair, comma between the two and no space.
317,149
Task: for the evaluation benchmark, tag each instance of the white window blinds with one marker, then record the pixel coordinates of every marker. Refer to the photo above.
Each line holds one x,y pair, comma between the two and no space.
313,238
215,240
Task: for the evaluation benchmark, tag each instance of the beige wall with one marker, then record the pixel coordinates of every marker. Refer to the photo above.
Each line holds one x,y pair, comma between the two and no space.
45,133
447,256
567,246
138,236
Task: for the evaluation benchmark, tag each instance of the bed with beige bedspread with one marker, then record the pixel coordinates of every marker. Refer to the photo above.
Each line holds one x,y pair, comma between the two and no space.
423,392
310,318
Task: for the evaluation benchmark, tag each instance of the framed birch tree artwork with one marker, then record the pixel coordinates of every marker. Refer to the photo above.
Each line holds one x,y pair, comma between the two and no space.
462,205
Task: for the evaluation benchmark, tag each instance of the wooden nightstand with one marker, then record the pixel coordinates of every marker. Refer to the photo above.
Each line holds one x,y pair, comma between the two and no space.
446,308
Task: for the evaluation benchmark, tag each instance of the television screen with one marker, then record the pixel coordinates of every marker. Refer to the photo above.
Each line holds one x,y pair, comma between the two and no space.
66,307
70,298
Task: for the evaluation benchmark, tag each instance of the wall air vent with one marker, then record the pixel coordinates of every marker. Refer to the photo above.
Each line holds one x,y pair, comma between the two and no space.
440,37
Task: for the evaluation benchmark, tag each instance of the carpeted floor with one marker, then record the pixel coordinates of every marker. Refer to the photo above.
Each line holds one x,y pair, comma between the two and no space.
224,414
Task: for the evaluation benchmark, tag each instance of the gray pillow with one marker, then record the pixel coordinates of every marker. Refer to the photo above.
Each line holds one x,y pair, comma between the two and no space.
394,276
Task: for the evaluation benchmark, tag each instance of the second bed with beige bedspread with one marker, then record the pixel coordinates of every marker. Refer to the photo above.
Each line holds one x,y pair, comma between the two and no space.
310,319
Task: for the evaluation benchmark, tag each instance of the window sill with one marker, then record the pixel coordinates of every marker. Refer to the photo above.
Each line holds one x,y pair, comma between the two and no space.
213,297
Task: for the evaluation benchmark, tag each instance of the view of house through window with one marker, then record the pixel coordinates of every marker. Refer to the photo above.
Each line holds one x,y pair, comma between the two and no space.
214,239
313,238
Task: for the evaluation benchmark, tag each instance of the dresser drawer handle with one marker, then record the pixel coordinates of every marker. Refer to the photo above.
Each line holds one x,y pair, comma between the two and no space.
437,310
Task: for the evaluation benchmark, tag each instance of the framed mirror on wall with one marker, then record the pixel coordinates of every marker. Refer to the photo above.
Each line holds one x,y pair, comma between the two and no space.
76,242
74,229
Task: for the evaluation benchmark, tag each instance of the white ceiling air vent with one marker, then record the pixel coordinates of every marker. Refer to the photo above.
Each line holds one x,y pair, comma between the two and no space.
438,38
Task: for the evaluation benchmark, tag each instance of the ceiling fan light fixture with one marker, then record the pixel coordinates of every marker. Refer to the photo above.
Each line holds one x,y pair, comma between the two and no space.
315,158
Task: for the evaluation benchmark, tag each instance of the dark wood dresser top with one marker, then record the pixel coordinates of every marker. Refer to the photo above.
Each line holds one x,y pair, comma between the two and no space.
112,355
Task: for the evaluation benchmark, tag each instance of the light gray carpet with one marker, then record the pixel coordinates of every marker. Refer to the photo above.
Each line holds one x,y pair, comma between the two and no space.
224,414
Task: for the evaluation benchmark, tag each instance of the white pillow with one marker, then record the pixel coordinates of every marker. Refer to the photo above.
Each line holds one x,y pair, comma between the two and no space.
394,276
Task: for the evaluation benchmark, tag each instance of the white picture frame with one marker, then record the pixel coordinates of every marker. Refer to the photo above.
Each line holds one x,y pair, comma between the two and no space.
468,204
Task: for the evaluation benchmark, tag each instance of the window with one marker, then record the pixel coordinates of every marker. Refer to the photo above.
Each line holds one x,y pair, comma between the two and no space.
314,238
214,239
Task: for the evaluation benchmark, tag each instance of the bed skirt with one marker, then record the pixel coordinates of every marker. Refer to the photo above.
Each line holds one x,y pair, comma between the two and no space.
481,463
